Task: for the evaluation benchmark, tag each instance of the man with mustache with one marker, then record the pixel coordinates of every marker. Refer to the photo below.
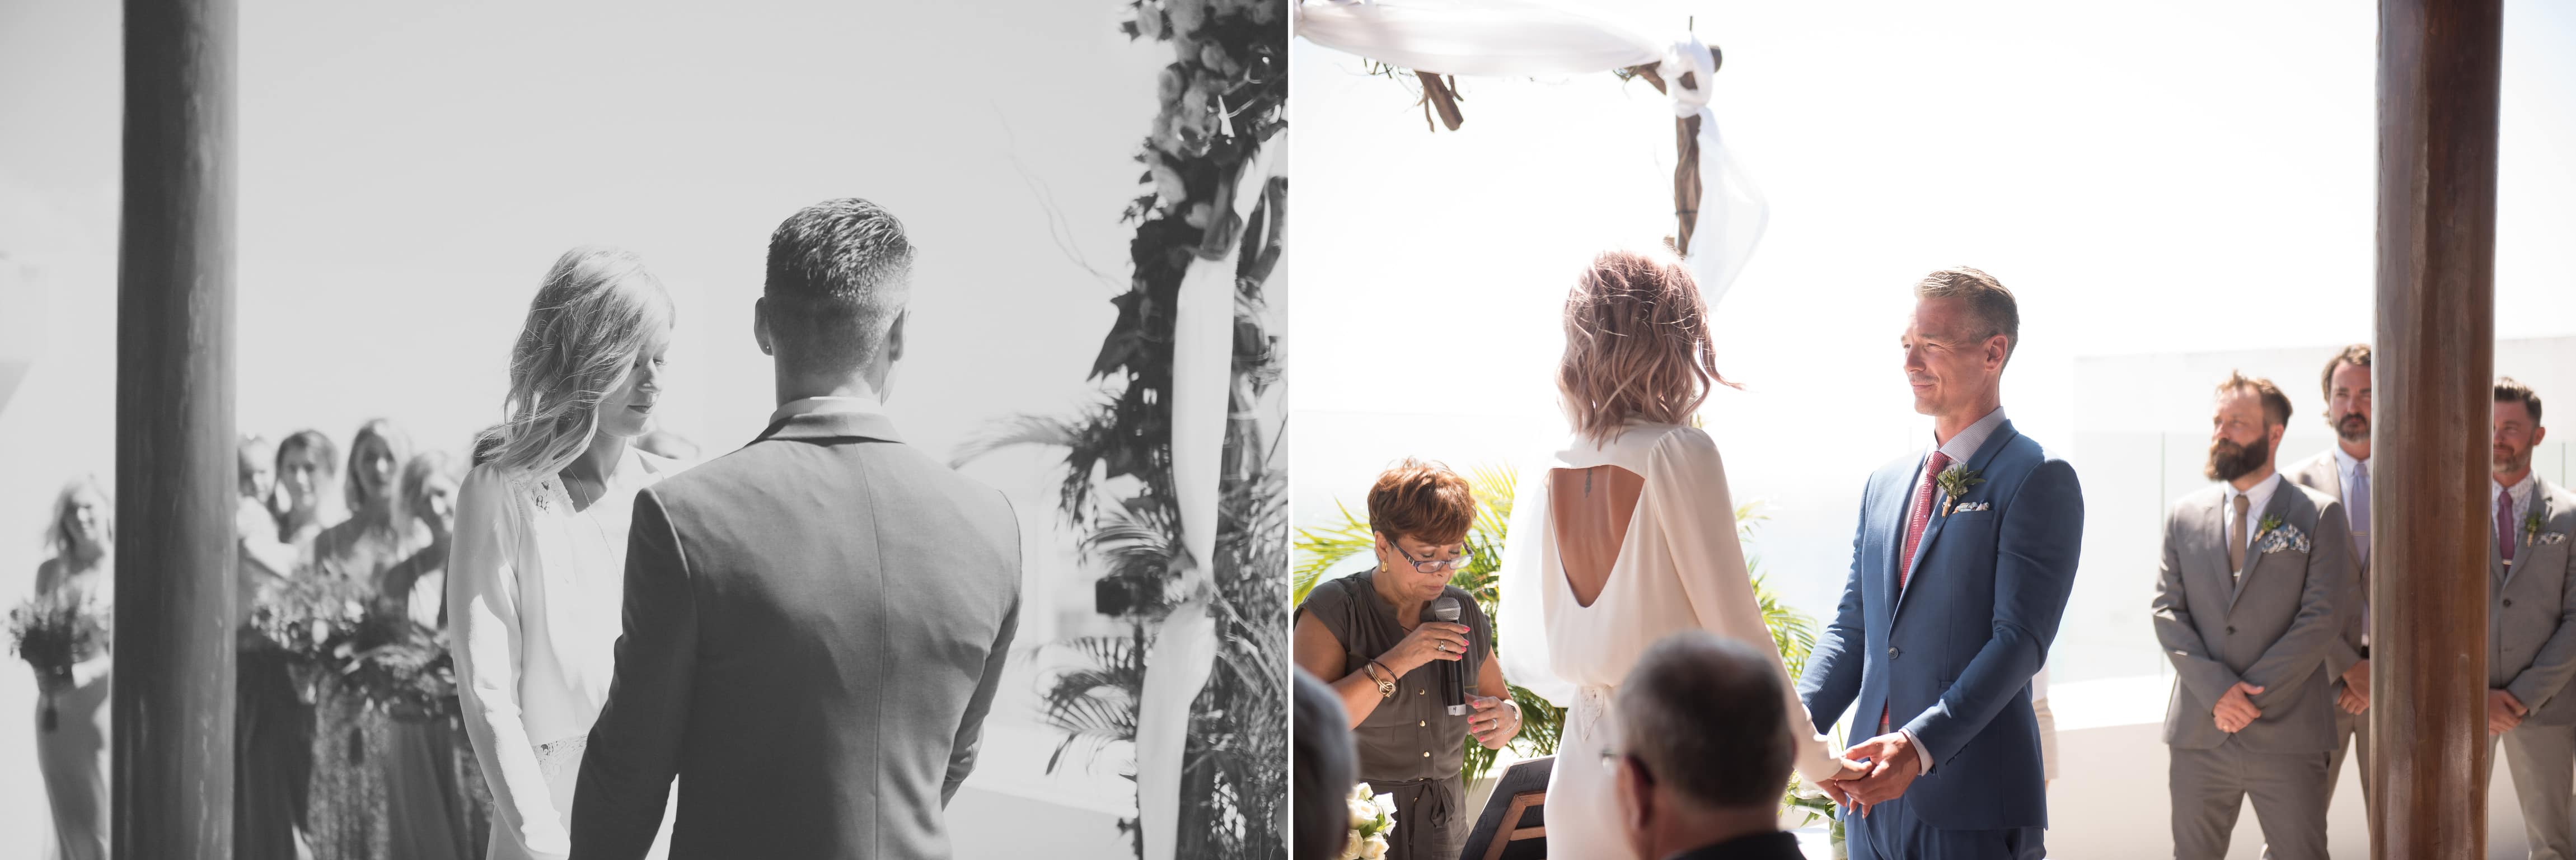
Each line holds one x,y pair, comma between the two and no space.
2245,608
2343,472
2531,627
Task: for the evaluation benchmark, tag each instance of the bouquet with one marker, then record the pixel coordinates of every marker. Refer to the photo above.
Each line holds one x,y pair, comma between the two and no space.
314,621
1372,818
52,632
410,676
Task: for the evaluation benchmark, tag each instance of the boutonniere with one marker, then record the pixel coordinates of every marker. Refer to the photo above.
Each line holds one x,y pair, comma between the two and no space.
2272,536
1954,482
2531,526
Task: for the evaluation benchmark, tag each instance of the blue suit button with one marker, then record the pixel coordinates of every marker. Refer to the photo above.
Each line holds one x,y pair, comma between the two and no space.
1891,652
2231,631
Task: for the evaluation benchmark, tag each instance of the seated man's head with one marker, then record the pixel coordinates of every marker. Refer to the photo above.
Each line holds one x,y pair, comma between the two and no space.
1703,747
832,307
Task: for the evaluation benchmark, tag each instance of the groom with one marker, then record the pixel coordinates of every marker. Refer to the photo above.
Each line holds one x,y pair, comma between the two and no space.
1960,569
815,624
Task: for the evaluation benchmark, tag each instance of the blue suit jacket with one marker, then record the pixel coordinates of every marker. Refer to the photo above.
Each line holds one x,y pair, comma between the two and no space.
1950,657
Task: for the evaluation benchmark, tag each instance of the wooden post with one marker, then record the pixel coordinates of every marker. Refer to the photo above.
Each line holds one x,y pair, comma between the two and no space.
175,472
2436,357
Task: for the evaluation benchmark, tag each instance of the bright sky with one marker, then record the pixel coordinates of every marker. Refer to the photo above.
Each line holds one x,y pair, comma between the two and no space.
408,171
2161,177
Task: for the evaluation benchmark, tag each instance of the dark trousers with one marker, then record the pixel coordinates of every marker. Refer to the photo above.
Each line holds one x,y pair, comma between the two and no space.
1428,823
1891,832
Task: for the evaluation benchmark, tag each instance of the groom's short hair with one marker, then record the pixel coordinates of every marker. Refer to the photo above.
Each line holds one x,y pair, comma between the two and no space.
1709,717
839,272
2276,405
1989,303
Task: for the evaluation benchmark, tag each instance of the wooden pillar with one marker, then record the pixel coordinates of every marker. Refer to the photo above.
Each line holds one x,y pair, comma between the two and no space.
175,437
2436,357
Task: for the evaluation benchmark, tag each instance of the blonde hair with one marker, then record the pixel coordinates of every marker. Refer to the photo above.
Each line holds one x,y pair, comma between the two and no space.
397,446
1636,345
58,534
414,480
596,311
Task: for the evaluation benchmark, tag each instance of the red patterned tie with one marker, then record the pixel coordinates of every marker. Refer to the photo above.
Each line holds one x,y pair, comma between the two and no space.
1914,523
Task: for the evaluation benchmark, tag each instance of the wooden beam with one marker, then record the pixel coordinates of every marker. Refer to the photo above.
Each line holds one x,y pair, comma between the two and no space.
175,473
2435,362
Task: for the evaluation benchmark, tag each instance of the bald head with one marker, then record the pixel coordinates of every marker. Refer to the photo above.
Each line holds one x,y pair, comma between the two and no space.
1703,714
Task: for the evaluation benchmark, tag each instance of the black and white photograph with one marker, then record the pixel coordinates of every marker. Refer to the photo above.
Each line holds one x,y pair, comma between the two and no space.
603,430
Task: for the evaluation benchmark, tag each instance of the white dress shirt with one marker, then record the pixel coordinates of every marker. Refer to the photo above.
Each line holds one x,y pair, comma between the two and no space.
2257,497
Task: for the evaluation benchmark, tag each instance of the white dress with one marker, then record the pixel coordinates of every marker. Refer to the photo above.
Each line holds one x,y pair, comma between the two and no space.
1679,567
536,594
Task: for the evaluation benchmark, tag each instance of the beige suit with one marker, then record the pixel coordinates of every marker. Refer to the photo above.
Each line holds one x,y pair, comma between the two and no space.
2351,731
2271,624
2531,641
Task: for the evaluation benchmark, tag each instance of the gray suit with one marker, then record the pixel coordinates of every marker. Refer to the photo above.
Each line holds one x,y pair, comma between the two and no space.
2352,731
2270,625
814,629
2531,653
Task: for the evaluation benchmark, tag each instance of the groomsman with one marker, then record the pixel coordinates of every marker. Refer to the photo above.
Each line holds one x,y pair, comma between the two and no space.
2343,472
2245,608
2531,627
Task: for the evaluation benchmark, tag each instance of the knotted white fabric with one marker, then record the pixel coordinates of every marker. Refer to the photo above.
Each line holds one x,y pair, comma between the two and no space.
1536,38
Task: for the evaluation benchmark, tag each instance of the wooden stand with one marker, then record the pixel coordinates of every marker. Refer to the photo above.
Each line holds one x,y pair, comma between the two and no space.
1500,830
2436,356
175,472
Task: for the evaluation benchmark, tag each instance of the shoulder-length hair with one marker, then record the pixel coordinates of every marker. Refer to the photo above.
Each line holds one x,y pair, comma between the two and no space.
412,483
596,311
397,444
1636,345
58,532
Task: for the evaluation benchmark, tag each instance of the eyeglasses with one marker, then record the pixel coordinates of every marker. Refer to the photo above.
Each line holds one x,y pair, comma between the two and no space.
1432,565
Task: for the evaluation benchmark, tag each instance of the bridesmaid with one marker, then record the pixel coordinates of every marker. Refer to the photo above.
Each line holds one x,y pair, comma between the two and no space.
425,790
72,749
308,468
537,584
269,723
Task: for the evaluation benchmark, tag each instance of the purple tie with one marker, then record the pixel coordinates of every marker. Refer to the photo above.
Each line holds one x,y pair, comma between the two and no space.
2504,525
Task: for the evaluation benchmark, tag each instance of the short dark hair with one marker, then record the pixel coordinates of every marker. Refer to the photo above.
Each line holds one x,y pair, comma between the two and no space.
1323,769
2509,391
839,273
1422,501
1989,303
2358,354
2276,405
1709,717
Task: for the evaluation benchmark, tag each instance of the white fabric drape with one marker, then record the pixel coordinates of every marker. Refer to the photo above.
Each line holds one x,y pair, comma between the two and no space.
1537,38
1185,642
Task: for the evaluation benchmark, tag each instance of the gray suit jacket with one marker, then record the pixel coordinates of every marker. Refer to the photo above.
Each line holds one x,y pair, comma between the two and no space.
2319,473
814,628
2531,611
2271,627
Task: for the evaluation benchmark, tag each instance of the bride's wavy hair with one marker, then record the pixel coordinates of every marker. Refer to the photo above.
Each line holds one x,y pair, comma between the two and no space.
597,309
1636,345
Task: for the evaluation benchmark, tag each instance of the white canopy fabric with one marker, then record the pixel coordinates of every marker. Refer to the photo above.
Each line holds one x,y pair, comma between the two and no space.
1533,38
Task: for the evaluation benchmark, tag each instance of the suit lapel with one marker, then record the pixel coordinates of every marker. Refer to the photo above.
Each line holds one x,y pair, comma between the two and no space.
1932,528
2277,507
2521,537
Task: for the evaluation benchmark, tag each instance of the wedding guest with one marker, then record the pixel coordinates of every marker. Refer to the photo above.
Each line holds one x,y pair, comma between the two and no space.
2343,472
416,588
72,709
308,471
1702,752
1962,562
2245,607
270,739
2531,628
1321,771
1626,533
1372,633
536,577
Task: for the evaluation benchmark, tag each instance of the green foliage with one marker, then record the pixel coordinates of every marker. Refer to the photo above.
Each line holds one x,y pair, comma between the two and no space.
1321,548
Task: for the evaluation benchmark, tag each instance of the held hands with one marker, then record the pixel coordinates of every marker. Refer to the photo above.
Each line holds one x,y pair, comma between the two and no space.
1433,640
2355,697
1493,724
2235,711
1887,765
2504,712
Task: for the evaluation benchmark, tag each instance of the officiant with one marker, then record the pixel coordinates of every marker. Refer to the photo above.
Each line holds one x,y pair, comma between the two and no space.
1375,635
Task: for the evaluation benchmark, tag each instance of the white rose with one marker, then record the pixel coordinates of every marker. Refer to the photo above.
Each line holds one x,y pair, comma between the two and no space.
1362,812
1374,849
1187,16
1351,848
1173,81
1149,21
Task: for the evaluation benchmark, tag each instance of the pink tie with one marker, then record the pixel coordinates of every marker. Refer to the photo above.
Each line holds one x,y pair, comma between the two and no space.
2504,525
1914,524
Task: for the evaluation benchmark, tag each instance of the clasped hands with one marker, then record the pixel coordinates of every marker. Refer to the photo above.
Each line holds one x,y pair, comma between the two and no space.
1874,771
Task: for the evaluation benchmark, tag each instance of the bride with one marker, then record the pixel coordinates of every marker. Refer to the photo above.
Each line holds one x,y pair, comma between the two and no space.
1627,534
537,569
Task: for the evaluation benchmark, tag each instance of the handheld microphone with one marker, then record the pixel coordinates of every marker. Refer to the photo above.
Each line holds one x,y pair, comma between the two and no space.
1453,684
